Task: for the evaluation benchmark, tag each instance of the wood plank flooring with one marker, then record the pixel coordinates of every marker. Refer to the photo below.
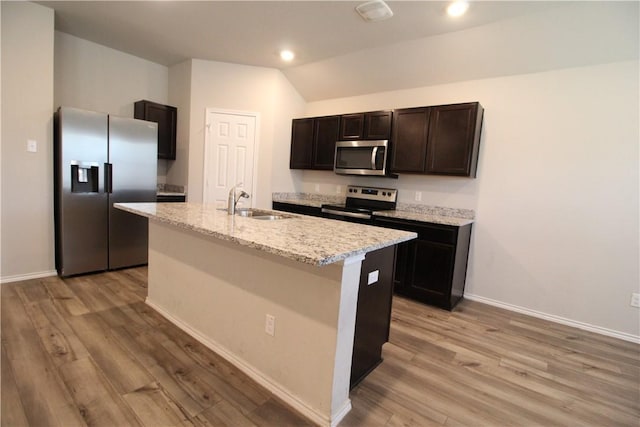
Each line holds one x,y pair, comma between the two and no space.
88,351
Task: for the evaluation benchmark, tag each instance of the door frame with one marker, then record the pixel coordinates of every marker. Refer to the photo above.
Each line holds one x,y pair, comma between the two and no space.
208,142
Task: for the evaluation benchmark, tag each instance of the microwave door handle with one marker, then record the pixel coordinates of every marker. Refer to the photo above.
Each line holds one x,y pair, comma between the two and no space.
374,154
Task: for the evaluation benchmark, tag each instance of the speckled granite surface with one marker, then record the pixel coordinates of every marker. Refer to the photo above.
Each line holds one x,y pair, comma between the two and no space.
432,214
307,199
170,190
414,212
311,240
425,217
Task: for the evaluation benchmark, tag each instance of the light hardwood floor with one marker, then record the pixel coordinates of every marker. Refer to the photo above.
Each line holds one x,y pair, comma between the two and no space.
88,351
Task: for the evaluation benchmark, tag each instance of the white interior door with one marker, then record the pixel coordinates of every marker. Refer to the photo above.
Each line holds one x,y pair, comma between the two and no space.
229,156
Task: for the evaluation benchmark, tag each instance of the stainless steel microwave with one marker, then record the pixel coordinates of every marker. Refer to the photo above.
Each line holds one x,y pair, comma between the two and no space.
361,157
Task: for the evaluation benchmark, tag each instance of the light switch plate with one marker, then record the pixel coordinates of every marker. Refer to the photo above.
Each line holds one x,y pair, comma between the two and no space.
32,145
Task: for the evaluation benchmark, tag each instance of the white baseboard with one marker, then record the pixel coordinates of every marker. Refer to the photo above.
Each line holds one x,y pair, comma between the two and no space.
21,277
257,376
557,319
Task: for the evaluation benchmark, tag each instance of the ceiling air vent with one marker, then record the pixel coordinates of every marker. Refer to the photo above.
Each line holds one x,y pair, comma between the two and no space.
373,11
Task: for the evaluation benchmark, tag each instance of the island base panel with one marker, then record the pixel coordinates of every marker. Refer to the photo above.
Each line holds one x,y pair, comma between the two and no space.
220,292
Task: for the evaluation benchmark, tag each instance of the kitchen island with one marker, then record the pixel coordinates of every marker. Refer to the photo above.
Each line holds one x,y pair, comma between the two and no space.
277,298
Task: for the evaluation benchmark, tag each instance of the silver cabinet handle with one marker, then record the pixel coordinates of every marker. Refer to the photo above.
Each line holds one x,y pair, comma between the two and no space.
349,214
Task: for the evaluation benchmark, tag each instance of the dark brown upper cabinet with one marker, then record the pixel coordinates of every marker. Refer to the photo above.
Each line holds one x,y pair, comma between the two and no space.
351,127
439,140
313,142
324,142
454,139
371,125
166,117
410,132
301,144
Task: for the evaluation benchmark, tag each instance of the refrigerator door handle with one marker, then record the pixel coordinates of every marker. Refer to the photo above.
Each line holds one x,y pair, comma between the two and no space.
108,181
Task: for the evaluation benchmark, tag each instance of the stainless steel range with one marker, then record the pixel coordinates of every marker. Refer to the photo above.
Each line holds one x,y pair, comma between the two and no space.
361,202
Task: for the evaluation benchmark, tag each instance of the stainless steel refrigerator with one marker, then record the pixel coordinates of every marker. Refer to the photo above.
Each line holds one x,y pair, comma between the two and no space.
101,160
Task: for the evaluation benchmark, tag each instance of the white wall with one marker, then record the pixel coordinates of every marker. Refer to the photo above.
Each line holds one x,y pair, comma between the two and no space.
94,77
241,88
27,113
569,34
557,190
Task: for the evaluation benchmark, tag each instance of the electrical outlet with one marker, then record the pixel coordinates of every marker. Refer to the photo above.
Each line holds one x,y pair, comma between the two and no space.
373,277
32,145
418,196
270,325
338,189
635,300
317,188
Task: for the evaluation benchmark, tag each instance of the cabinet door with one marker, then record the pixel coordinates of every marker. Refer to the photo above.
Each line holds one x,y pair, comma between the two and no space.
166,117
432,272
377,125
452,139
325,137
410,130
351,126
301,144
404,251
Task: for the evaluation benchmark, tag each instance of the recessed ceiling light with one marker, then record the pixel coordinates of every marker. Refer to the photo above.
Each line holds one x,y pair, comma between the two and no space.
287,55
376,10
457,8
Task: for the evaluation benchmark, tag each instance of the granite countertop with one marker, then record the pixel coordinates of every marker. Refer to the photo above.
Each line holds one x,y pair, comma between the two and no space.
413,212
170,190
307,199
431,214
170,193
311,240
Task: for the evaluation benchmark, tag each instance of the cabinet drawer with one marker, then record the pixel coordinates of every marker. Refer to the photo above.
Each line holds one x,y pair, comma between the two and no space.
163,198
432,232
298,209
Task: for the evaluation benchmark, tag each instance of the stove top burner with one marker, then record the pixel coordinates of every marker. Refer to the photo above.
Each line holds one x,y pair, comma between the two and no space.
361,202
342,210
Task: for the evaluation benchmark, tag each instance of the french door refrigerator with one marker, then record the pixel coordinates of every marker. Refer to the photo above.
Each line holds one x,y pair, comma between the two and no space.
101,160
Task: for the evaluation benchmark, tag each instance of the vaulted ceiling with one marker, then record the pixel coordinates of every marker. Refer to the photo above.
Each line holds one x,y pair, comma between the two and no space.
338,54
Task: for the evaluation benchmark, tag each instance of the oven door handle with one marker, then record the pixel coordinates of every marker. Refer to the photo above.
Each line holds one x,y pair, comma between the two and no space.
349,214
374,154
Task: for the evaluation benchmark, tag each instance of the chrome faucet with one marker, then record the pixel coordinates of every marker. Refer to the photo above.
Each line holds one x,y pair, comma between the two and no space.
233,200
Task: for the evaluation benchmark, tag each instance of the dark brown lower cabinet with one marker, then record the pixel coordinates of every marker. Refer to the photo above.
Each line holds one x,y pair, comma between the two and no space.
432,268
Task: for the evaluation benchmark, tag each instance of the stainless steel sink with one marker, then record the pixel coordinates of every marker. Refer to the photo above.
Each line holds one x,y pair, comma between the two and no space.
261,214
270,217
